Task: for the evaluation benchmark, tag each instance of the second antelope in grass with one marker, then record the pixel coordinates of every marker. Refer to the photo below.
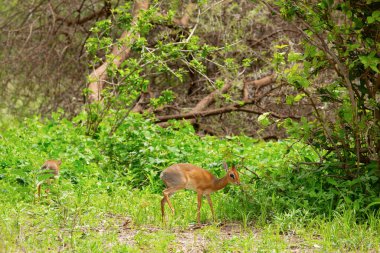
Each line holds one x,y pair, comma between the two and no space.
188,176
50,170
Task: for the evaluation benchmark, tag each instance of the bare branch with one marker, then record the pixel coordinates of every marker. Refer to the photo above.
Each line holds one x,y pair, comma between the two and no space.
198,110
103,11
258,84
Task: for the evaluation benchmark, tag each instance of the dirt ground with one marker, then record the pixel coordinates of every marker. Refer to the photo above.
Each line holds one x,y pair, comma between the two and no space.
191,240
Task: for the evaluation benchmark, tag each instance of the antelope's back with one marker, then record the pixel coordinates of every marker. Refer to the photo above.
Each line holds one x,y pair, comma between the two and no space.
51,166
185,175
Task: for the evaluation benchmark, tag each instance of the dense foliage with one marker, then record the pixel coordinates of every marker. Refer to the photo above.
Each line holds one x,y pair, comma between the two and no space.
274,173
322,95
339,63
106,178
333,68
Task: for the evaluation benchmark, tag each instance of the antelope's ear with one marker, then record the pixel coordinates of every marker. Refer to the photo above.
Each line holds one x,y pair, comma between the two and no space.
225,166
59,162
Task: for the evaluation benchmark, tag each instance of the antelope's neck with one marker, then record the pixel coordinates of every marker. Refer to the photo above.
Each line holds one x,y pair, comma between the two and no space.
220,183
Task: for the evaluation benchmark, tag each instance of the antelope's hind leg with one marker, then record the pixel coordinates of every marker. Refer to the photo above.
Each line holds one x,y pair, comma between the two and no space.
167,193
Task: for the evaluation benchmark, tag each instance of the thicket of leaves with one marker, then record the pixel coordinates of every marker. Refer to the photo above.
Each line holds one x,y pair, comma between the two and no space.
334,69
337,71
274,175
170,67
164,63
46,64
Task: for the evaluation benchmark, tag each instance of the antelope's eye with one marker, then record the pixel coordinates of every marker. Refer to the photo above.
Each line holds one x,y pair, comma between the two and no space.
232,176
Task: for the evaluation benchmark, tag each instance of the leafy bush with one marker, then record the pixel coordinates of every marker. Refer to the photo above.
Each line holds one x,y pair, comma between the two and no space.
277,176
336,70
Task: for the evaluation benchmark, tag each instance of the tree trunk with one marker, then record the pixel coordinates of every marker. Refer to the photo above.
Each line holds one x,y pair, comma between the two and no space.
377,122
99,75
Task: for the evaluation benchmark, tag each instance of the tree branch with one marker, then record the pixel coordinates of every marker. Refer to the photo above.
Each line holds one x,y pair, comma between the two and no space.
79,21
120,53
198,111
258,84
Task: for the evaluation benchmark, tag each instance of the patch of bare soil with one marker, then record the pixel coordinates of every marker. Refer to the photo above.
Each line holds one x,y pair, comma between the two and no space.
187,240
193,240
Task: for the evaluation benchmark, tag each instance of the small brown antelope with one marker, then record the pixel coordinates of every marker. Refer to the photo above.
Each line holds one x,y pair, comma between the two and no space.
188,176
50,167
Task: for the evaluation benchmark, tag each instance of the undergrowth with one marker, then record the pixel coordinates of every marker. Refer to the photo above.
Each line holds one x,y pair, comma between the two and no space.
107,181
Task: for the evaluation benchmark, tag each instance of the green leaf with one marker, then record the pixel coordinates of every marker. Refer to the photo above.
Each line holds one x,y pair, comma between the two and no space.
332,181
374,17
264,120
219,83
246,62
299,97
370,61
281,46
289,99
376,202
293,56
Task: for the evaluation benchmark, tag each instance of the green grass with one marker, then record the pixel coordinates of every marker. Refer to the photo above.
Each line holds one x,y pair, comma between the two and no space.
86,220
107,198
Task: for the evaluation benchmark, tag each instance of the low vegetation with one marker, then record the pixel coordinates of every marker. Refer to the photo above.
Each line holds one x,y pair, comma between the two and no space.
108,195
